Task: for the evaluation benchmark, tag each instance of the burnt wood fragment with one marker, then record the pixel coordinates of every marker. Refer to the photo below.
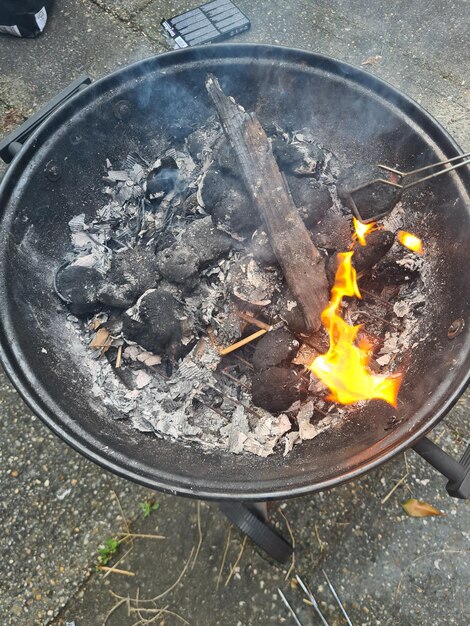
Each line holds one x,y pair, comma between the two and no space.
301,263
365,257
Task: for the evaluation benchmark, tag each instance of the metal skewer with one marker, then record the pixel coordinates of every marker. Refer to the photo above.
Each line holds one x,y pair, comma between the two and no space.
424,169
336,597
310,596
291,610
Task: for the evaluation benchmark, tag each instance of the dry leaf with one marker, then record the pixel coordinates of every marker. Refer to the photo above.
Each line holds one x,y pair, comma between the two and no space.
100,340
417,508
373,60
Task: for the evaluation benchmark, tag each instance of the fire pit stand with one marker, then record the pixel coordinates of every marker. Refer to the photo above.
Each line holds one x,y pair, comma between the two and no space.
250,517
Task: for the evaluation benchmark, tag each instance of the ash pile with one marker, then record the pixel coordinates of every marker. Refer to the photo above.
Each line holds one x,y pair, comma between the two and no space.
177,267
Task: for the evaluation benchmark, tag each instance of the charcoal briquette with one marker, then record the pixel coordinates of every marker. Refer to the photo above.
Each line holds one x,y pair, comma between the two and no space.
276,388
275,348
80,286
158,325
131,273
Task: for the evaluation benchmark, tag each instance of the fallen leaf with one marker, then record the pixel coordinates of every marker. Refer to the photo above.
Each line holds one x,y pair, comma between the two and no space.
373,60
100,340
417,508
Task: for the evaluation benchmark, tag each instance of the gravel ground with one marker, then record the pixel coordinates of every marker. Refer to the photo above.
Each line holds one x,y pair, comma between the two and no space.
57,508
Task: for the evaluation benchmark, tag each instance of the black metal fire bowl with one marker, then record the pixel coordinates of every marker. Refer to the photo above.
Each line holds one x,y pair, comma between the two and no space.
57,174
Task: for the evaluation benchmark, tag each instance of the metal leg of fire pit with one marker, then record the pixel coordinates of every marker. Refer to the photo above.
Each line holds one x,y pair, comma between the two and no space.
458,472
251,520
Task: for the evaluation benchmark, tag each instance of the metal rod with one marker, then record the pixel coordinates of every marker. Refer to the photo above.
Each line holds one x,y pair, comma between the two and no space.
291,610
336,597
428,167
309,595
390,169
444,171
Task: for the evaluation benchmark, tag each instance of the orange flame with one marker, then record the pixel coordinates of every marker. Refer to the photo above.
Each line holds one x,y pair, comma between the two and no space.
344,368
361,230
410,241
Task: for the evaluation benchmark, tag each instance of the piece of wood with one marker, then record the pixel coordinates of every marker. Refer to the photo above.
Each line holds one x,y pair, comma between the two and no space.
301,263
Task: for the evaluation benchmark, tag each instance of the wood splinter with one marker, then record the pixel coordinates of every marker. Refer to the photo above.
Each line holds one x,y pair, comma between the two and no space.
300,261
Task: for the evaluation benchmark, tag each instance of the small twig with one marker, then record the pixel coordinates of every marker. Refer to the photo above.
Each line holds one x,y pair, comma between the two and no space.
110,569
227,545
152,620
292,538
111,611
115,570
140,535
124,518
235,380
119,357
159,612
244,361
232,571
242,342
252,320
397,484
199,534
320,542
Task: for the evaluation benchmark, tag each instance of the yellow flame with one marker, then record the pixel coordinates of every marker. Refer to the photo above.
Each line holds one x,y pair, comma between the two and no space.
410,241
361,230
344,368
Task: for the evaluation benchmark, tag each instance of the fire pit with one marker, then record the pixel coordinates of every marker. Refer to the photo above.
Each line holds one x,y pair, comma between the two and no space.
155,122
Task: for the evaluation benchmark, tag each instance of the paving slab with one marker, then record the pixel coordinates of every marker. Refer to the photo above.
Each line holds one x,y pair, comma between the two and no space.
389,569
57,508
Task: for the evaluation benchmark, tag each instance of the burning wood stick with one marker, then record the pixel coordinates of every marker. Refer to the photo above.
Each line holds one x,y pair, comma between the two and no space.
300,261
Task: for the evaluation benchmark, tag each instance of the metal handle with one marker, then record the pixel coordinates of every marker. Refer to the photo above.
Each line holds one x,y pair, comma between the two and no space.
457,472
11,145
258,530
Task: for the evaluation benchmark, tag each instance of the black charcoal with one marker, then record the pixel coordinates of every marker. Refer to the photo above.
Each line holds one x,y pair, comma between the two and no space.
131,273
154,323
298,157
278,347
177,264
200,244
227,200
277,388
261,249
379,243
314,200
80,287
162,178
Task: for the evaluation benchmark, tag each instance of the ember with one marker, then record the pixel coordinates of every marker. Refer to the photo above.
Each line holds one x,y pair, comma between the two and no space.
190,288
410,241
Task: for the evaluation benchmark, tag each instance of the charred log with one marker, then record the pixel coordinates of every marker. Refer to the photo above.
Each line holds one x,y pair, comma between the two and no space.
301,263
